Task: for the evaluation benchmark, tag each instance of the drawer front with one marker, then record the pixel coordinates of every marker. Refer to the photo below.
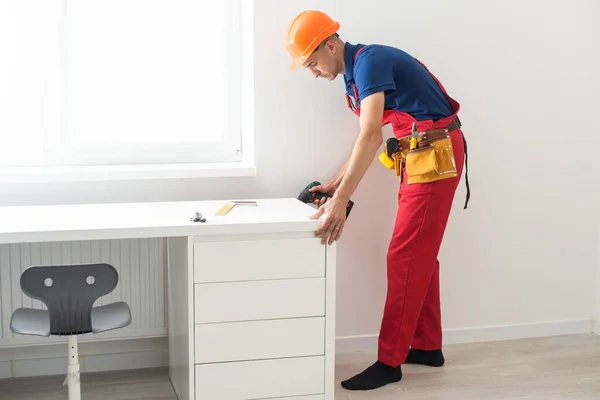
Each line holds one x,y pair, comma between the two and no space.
246,301
261,379
254,340
258,259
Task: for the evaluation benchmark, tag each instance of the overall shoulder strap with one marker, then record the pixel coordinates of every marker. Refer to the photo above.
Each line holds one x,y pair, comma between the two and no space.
358,52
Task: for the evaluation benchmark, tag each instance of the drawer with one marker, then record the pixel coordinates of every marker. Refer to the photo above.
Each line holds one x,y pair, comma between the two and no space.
258,259
254,340
269,379
257,300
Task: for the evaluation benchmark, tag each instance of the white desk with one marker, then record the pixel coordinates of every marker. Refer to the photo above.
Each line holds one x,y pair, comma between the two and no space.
251,295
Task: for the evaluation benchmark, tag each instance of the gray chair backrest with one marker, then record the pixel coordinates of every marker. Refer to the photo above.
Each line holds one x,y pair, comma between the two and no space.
69,292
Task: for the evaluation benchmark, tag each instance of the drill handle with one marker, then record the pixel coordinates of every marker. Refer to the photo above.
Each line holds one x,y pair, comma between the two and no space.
320,195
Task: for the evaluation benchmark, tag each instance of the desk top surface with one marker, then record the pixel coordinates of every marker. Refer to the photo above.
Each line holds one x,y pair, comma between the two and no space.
160,219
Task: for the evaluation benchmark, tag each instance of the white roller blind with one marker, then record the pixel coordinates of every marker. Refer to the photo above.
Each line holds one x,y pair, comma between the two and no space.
120,81
28,80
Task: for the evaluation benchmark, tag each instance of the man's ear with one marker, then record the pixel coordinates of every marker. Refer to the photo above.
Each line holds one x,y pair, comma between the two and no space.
330,45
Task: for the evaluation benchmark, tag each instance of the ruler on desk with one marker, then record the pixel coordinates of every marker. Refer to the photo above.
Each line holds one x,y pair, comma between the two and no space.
231,204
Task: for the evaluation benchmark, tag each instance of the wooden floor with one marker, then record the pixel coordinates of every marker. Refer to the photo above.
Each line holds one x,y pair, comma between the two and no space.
566,367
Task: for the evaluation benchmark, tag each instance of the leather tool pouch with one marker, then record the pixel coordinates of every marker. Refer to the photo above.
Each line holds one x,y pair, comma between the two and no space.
432,160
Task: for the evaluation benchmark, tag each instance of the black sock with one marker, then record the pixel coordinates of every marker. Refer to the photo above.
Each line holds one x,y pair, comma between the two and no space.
376,376
432,358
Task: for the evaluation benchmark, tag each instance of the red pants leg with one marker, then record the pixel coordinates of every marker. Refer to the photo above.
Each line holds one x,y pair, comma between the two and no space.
428,334
412,266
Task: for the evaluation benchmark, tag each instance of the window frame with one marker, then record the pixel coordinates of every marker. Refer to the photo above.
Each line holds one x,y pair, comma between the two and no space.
234,157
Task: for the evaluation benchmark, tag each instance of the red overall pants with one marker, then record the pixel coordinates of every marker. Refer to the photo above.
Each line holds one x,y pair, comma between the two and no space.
412,316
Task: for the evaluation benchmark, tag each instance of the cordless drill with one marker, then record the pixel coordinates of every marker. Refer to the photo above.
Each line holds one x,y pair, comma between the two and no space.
306,196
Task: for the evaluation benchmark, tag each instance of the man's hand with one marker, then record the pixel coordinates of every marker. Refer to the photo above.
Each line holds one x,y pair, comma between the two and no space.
328,188
331,186
331,228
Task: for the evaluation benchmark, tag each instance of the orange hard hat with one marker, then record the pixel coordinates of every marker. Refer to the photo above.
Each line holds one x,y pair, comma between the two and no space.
305,34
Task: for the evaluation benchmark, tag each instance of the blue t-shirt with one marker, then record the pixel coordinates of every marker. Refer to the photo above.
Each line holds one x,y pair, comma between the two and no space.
408,86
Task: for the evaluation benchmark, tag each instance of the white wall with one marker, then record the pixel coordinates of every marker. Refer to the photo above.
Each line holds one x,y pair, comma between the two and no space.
526,75
597,327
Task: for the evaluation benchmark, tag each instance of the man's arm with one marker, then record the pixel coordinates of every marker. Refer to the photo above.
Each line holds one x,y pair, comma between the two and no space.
337,178
366,146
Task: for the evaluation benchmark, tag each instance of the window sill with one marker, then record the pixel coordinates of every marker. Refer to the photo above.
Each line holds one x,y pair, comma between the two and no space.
123,172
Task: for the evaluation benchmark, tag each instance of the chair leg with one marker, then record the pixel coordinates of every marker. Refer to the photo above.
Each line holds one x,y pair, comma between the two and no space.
73,370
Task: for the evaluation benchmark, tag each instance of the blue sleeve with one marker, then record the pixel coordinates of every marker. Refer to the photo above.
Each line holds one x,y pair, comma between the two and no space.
373,74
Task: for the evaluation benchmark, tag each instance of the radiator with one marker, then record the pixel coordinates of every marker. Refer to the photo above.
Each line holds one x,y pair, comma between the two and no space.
139,262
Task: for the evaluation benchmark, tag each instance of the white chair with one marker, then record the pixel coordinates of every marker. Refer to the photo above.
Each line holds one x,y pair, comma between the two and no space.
69,293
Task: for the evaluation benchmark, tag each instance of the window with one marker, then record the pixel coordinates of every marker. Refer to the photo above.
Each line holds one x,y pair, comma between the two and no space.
120,82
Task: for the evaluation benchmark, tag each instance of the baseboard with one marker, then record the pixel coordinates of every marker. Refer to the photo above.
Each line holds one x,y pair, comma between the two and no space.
368,343
110,355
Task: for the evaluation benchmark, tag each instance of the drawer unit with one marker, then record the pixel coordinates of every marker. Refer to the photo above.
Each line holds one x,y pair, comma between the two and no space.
255,340
261,379
252,315
258,300
249,260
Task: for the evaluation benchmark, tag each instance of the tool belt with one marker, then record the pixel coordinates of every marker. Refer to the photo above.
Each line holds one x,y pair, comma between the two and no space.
428,156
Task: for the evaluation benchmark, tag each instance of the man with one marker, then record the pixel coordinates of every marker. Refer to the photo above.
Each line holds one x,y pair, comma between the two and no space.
386,85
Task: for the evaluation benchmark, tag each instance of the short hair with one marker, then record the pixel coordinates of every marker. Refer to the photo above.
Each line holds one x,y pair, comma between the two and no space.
332,37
